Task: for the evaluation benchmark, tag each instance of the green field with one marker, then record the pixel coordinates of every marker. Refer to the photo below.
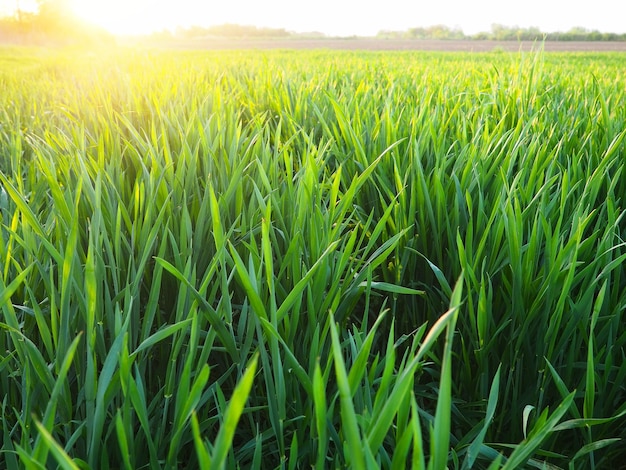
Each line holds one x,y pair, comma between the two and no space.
325,259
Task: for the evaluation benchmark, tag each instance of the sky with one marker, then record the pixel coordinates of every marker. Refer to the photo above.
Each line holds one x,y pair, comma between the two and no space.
347,17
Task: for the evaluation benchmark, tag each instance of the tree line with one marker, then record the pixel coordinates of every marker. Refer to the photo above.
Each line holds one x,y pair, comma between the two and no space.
54,21
502,33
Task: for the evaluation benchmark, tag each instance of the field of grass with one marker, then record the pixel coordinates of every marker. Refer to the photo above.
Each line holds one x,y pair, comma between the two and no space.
312,259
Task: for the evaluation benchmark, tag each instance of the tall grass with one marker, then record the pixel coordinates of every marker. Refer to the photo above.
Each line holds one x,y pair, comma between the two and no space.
295,260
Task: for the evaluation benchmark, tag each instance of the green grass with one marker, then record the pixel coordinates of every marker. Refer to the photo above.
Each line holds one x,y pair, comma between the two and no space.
312,259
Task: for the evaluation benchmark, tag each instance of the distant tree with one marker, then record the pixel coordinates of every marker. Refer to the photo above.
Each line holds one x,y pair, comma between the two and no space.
482,35
441,32
577,33
596,35
418,33
231,31
434,32
386,34
501,33
530,34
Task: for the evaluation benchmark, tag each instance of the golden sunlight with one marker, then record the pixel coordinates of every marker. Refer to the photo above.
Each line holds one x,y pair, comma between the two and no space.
146,16
132,16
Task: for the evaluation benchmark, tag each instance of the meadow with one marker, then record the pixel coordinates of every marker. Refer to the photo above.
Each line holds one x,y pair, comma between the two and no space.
312,259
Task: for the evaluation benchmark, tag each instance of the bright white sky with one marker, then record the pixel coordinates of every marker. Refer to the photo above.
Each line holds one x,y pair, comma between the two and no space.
348,17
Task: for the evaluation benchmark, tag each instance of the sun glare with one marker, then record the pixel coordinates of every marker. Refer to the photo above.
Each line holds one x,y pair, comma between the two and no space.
127,16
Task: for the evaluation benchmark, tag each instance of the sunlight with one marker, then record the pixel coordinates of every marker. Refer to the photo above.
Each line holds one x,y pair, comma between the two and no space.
130,16
344,17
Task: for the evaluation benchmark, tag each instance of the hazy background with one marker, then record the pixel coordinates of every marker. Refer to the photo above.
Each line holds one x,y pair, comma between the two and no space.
345,17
